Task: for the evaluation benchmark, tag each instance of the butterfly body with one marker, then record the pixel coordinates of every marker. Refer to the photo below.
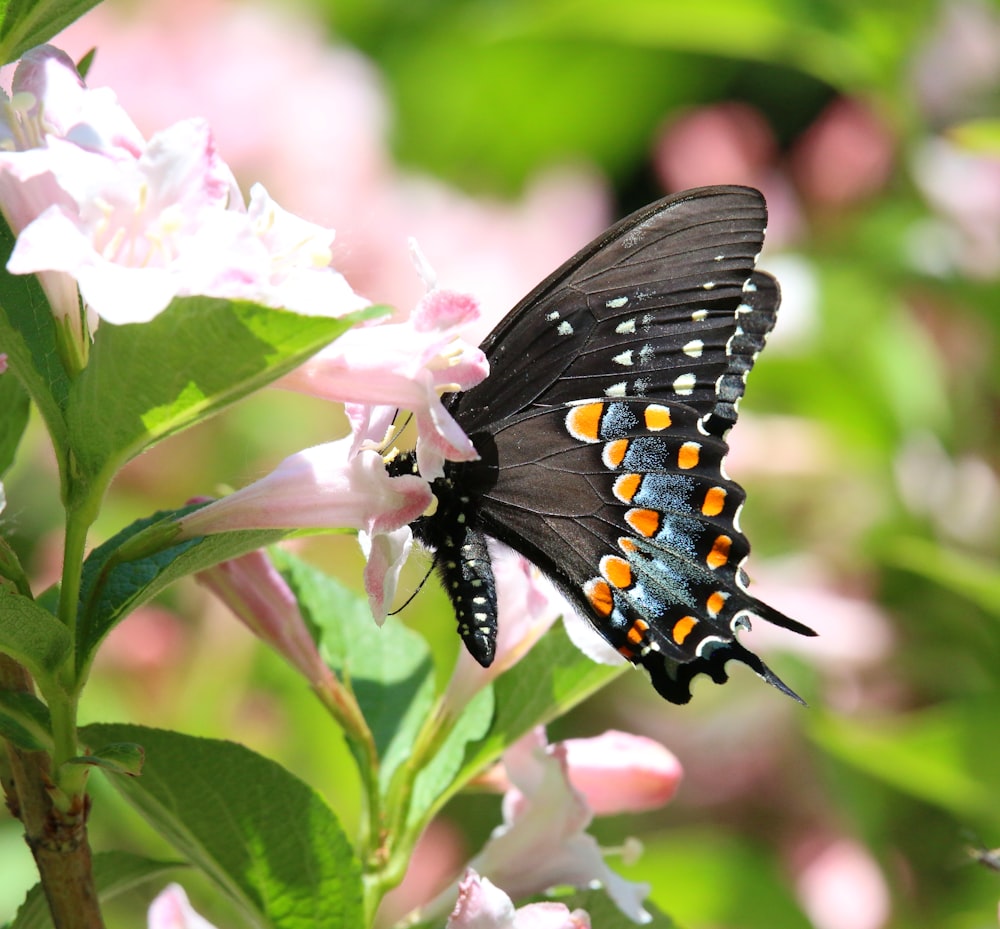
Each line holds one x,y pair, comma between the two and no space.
601,435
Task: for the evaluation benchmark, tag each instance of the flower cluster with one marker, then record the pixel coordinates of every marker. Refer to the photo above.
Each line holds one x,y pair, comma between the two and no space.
122,225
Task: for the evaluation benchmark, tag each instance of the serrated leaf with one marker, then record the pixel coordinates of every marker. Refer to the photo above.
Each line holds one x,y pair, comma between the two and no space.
114,872
389,669
110,591
553,677
146,381
120,758
263,836
24,720
31,635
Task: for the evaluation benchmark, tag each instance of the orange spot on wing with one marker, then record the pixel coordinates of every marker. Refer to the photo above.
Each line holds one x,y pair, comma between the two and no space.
627,486
682,629
645,522
688,456
657,417
637,632
716,602
599,596
719,554
627,545
617,571
714,501
614,452
584,421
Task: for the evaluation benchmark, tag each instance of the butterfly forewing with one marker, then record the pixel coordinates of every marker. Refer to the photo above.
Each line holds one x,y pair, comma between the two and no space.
645,310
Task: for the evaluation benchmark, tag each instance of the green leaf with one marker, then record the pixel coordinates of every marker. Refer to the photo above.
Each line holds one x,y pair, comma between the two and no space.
686,866
24,720
28,337
937,755
114,872
12,574
146,381
551,679
111,590
389,669
976,579
15,404
436,781
27,23
263,836
32,635
980,136
118,757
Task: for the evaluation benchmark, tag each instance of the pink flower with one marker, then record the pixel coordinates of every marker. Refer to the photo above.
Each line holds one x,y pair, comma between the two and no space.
618,772
327,487
542,842
409,365
171,910
3,362
843,888
482,905
135,224
318,488
615,772
261,599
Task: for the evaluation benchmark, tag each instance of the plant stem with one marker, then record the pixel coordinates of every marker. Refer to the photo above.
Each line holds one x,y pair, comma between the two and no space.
57,837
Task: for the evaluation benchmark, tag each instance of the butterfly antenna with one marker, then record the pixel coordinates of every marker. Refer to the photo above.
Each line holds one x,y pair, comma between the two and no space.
399,609
392,438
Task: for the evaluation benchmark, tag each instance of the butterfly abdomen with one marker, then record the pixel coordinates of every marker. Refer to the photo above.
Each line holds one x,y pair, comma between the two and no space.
461,558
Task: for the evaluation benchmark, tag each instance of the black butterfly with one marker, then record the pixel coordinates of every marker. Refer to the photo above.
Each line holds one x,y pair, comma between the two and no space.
601,434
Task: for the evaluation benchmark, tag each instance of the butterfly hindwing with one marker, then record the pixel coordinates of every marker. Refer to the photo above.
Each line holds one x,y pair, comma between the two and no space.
647,545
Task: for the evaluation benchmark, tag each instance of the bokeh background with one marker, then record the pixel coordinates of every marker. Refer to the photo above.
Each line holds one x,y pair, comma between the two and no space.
504,134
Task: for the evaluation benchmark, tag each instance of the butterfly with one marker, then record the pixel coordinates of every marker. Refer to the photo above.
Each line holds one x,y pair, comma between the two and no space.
601,433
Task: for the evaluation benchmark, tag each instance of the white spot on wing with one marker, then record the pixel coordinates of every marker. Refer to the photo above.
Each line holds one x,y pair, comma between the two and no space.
708,285
684,385
625,358
553,316
616,390
698,315
564,328
616,303
694,348
626,328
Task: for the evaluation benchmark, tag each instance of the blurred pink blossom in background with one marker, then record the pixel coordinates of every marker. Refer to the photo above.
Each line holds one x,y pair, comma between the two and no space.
842,887
321,148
